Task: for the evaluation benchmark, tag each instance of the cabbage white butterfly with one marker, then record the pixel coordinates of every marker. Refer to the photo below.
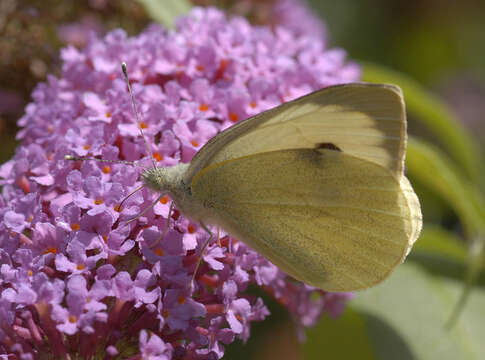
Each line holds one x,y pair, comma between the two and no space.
316,185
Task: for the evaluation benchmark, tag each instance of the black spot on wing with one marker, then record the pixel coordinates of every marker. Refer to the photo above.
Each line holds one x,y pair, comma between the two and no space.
310,155
328,146
319,156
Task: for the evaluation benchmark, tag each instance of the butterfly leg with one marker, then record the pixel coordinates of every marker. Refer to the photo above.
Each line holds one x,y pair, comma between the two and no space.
144,211
120,206
167,227
199,261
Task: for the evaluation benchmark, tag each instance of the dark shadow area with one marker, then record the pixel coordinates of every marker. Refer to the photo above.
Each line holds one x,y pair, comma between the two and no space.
386,342
260,330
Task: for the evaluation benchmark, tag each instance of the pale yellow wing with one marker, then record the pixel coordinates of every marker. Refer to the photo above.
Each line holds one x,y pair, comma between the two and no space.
364,120
325,217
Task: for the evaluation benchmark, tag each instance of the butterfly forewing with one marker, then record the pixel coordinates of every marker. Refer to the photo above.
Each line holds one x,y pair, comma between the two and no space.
364,120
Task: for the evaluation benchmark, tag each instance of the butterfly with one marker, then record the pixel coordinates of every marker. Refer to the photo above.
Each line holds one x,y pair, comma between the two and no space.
316,185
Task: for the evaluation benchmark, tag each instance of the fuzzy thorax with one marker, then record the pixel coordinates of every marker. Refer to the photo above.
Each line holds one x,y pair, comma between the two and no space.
170,180
165,179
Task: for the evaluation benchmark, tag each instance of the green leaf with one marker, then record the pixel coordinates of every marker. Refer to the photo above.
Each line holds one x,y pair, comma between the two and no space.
440,252
342,338
166,11
473,273
405,317
436,241
434,169
430,110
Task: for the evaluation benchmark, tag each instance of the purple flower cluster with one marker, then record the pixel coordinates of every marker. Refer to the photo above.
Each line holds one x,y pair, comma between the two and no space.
75,277
295,15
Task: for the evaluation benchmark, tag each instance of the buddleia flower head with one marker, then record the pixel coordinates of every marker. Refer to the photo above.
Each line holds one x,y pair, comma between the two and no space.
77,278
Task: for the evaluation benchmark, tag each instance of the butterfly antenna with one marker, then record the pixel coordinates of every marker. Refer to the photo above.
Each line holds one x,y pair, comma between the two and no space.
76,158
180,145
125,74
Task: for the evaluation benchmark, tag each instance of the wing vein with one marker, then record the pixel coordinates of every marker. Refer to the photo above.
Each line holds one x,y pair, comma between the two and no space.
272,203
341,256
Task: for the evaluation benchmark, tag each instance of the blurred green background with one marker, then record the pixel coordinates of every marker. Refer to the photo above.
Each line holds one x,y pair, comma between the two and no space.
433,306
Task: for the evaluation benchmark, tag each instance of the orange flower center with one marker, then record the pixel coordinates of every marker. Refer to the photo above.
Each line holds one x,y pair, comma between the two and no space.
158,156
194,143
233,117
51,249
